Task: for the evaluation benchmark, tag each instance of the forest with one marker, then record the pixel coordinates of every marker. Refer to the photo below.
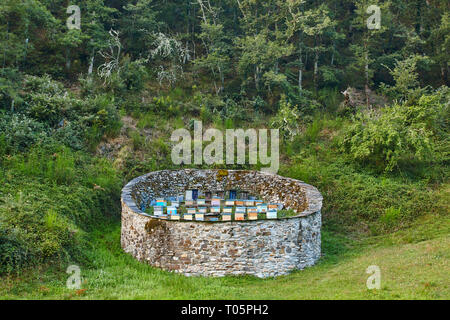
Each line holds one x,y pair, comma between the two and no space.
90,92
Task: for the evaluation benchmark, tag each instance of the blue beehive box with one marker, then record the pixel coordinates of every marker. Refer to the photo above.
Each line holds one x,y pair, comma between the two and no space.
171,210
215,209
262,208
201,202
161,202
240,210
175,203
272,214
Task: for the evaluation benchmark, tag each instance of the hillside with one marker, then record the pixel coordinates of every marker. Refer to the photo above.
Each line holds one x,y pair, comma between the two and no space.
362,113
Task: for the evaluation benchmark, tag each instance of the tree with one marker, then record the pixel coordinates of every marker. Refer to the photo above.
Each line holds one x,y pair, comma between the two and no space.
217,56
368,40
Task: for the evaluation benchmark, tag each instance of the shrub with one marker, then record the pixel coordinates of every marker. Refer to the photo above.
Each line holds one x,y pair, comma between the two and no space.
396,135
286,120
20,132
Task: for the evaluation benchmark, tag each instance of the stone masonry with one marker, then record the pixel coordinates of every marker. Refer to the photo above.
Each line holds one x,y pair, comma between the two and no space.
263,248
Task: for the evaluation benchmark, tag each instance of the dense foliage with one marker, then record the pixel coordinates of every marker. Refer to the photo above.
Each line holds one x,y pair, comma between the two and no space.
138,69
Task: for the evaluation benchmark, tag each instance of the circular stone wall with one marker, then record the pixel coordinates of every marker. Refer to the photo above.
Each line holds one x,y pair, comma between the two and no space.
263,248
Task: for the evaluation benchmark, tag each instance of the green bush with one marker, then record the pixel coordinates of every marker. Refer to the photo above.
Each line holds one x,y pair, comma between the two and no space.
20,132
396,136
286,120
49,197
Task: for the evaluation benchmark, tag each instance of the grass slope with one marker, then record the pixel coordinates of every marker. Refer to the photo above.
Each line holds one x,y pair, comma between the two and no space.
413,262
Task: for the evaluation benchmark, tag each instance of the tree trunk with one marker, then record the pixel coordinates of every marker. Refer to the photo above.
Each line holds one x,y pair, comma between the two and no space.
300,74
257,78
91,64
68,62
366,71
316,69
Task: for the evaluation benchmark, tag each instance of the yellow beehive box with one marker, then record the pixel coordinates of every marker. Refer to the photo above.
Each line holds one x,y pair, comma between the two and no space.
226,217
239,216
249,203
253,216
199,216
229,202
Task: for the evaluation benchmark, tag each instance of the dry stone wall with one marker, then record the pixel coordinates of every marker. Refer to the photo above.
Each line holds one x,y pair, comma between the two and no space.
263,248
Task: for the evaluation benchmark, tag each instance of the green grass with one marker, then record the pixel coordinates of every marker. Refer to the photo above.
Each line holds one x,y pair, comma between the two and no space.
396,221
413,263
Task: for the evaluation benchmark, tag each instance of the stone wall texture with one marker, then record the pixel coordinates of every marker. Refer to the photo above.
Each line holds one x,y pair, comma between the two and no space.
263,248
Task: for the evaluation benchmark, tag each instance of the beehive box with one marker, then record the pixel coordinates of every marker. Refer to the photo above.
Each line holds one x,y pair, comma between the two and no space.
175,204
158,210
262,208
215,202
191,210
272,214
161,202
239,202
199,216
189,203
228,210
171,210
201,202
252,209
215,209
226,216
203,209
272,206
229,202
241,209
239,216
252,216
249,203
188,216
212,217
258,202
175,217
